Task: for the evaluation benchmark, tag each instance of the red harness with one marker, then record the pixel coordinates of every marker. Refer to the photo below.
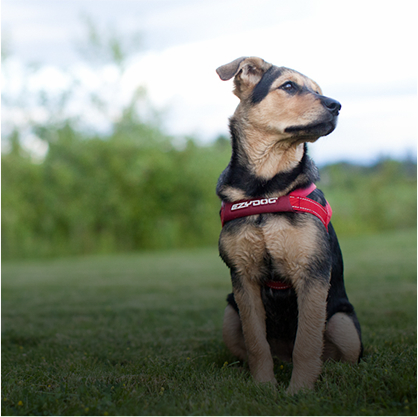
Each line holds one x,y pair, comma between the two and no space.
296,201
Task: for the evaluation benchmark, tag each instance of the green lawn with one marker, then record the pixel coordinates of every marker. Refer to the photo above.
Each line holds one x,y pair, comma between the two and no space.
140,334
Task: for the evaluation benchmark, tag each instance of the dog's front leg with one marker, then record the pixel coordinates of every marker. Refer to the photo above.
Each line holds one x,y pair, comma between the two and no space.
307,351
253,318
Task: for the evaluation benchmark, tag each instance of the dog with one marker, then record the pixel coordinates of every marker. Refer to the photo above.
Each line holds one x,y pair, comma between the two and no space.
288,299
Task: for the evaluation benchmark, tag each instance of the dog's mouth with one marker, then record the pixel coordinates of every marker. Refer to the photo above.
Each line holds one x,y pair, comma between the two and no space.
314,129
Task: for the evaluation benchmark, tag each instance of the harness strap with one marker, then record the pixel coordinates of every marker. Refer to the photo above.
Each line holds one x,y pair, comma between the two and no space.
296,201
277,285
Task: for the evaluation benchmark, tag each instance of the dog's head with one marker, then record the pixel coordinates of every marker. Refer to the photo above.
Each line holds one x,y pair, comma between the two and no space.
280,101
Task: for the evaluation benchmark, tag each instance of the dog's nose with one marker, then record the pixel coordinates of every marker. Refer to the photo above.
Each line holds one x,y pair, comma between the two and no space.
332,105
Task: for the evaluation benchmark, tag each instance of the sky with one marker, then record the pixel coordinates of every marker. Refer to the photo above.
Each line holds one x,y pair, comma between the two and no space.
362,53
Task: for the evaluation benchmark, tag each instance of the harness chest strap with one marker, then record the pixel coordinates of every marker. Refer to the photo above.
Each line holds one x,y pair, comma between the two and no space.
296,201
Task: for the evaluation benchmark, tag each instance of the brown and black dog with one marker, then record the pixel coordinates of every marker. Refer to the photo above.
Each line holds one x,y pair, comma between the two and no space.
279,111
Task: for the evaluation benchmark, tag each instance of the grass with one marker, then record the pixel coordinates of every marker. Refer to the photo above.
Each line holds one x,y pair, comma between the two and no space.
140,334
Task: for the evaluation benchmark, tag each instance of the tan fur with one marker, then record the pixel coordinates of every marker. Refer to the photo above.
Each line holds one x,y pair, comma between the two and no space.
249,74
341,339
234,194
269,148
246,250
232,333
253,319
269,156
290,248
308,347
278,111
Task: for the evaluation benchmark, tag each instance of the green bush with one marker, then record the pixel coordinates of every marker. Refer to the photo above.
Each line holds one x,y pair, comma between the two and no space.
371,199
132,190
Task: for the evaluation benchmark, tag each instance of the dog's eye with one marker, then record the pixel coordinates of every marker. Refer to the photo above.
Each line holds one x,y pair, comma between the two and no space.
289,86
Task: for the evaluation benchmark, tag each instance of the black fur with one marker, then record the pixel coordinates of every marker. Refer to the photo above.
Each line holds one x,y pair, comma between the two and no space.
263,87
238,175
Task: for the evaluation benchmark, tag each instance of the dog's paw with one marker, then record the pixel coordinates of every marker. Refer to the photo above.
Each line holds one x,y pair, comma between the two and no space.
273,382
296,388
266,380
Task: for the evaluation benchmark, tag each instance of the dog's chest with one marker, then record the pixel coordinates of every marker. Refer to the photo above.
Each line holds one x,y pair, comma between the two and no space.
246,245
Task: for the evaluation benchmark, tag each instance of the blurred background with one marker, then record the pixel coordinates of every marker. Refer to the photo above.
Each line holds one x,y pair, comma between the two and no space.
115,124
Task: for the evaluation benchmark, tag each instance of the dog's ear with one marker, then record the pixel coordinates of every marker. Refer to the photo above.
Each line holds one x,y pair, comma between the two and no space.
247,72
227,71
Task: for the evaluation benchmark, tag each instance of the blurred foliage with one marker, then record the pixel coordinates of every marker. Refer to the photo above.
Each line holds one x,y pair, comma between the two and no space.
368,199
131,190
134,190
